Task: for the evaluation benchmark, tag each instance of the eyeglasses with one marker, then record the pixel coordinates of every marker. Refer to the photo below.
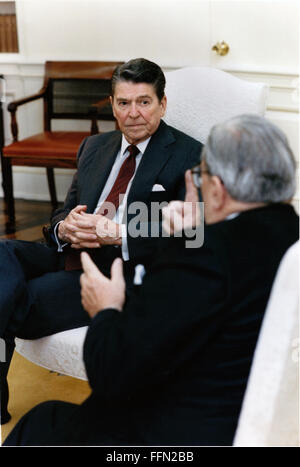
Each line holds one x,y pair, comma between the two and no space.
197,172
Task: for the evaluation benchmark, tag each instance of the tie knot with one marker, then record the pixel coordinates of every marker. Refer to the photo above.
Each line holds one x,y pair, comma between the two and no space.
133,150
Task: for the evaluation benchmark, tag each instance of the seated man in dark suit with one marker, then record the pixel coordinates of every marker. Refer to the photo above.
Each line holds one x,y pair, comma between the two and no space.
144,161
170,366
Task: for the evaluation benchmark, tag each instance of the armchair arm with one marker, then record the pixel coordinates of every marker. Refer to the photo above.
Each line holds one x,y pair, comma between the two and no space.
94,113
12,108
101,103
47,234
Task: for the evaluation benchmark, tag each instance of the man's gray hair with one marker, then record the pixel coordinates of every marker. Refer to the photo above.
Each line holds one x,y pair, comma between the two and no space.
253,158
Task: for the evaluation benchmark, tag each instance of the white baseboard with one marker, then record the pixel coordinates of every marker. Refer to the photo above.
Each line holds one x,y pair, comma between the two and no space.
30,183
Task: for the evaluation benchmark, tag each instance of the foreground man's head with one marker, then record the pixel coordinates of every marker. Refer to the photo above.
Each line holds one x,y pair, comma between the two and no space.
247,162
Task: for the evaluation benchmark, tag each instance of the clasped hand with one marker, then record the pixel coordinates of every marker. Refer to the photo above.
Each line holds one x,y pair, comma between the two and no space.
83,230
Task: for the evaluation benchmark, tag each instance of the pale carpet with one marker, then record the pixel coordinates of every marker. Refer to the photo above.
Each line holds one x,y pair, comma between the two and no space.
31,384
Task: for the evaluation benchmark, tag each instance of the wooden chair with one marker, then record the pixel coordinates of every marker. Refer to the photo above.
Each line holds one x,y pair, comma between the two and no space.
71,90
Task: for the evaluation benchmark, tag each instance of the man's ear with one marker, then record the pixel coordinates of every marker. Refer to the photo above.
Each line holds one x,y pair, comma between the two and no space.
218,193
163,104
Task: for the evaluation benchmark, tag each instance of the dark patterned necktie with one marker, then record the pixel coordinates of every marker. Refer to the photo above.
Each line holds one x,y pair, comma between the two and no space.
119,188
115,196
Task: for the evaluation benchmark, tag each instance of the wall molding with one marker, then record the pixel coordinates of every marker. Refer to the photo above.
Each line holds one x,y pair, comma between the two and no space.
25,78
283,89
17,63
283,85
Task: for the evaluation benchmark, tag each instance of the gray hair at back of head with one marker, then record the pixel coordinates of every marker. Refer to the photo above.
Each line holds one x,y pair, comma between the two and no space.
253,158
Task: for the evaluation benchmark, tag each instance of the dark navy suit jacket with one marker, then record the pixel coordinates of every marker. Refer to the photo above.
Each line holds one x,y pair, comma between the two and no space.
172,367
168,155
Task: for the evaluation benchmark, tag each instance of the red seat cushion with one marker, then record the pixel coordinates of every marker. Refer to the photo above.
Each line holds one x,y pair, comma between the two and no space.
50,144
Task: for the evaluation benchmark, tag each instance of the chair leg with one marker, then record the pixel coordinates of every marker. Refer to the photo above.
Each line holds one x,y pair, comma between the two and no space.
4,391
7,184
52,189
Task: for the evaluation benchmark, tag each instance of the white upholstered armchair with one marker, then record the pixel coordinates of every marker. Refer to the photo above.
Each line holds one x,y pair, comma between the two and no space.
200,97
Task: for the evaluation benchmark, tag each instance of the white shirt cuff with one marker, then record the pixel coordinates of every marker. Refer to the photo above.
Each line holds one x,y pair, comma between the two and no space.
125,253
60,245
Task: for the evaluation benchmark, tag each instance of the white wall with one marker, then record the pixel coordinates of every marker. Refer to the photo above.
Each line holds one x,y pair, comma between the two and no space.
162,30
262,35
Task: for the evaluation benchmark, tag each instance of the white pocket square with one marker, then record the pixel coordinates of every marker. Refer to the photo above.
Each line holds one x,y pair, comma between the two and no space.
158,187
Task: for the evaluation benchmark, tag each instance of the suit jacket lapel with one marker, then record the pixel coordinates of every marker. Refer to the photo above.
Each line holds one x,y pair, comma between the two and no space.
99,171
157,153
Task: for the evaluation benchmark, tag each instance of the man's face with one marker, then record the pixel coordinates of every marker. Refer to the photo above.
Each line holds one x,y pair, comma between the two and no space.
137,110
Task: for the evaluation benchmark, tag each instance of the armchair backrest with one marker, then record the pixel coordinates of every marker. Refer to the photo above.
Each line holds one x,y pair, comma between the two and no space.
71,88
200,97
270,410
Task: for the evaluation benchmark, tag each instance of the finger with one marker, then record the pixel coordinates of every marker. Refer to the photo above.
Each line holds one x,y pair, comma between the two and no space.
82,281
82,245
178,221
173,219
117,271
173,207
87,214
78,237
82,221
191,193
71,229
79,232
85,225
176,206
167,222
79,208
88,264
86,236
74,229
73,239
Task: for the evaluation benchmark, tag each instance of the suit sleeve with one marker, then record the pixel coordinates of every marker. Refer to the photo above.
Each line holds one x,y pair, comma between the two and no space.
158,331
71,198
